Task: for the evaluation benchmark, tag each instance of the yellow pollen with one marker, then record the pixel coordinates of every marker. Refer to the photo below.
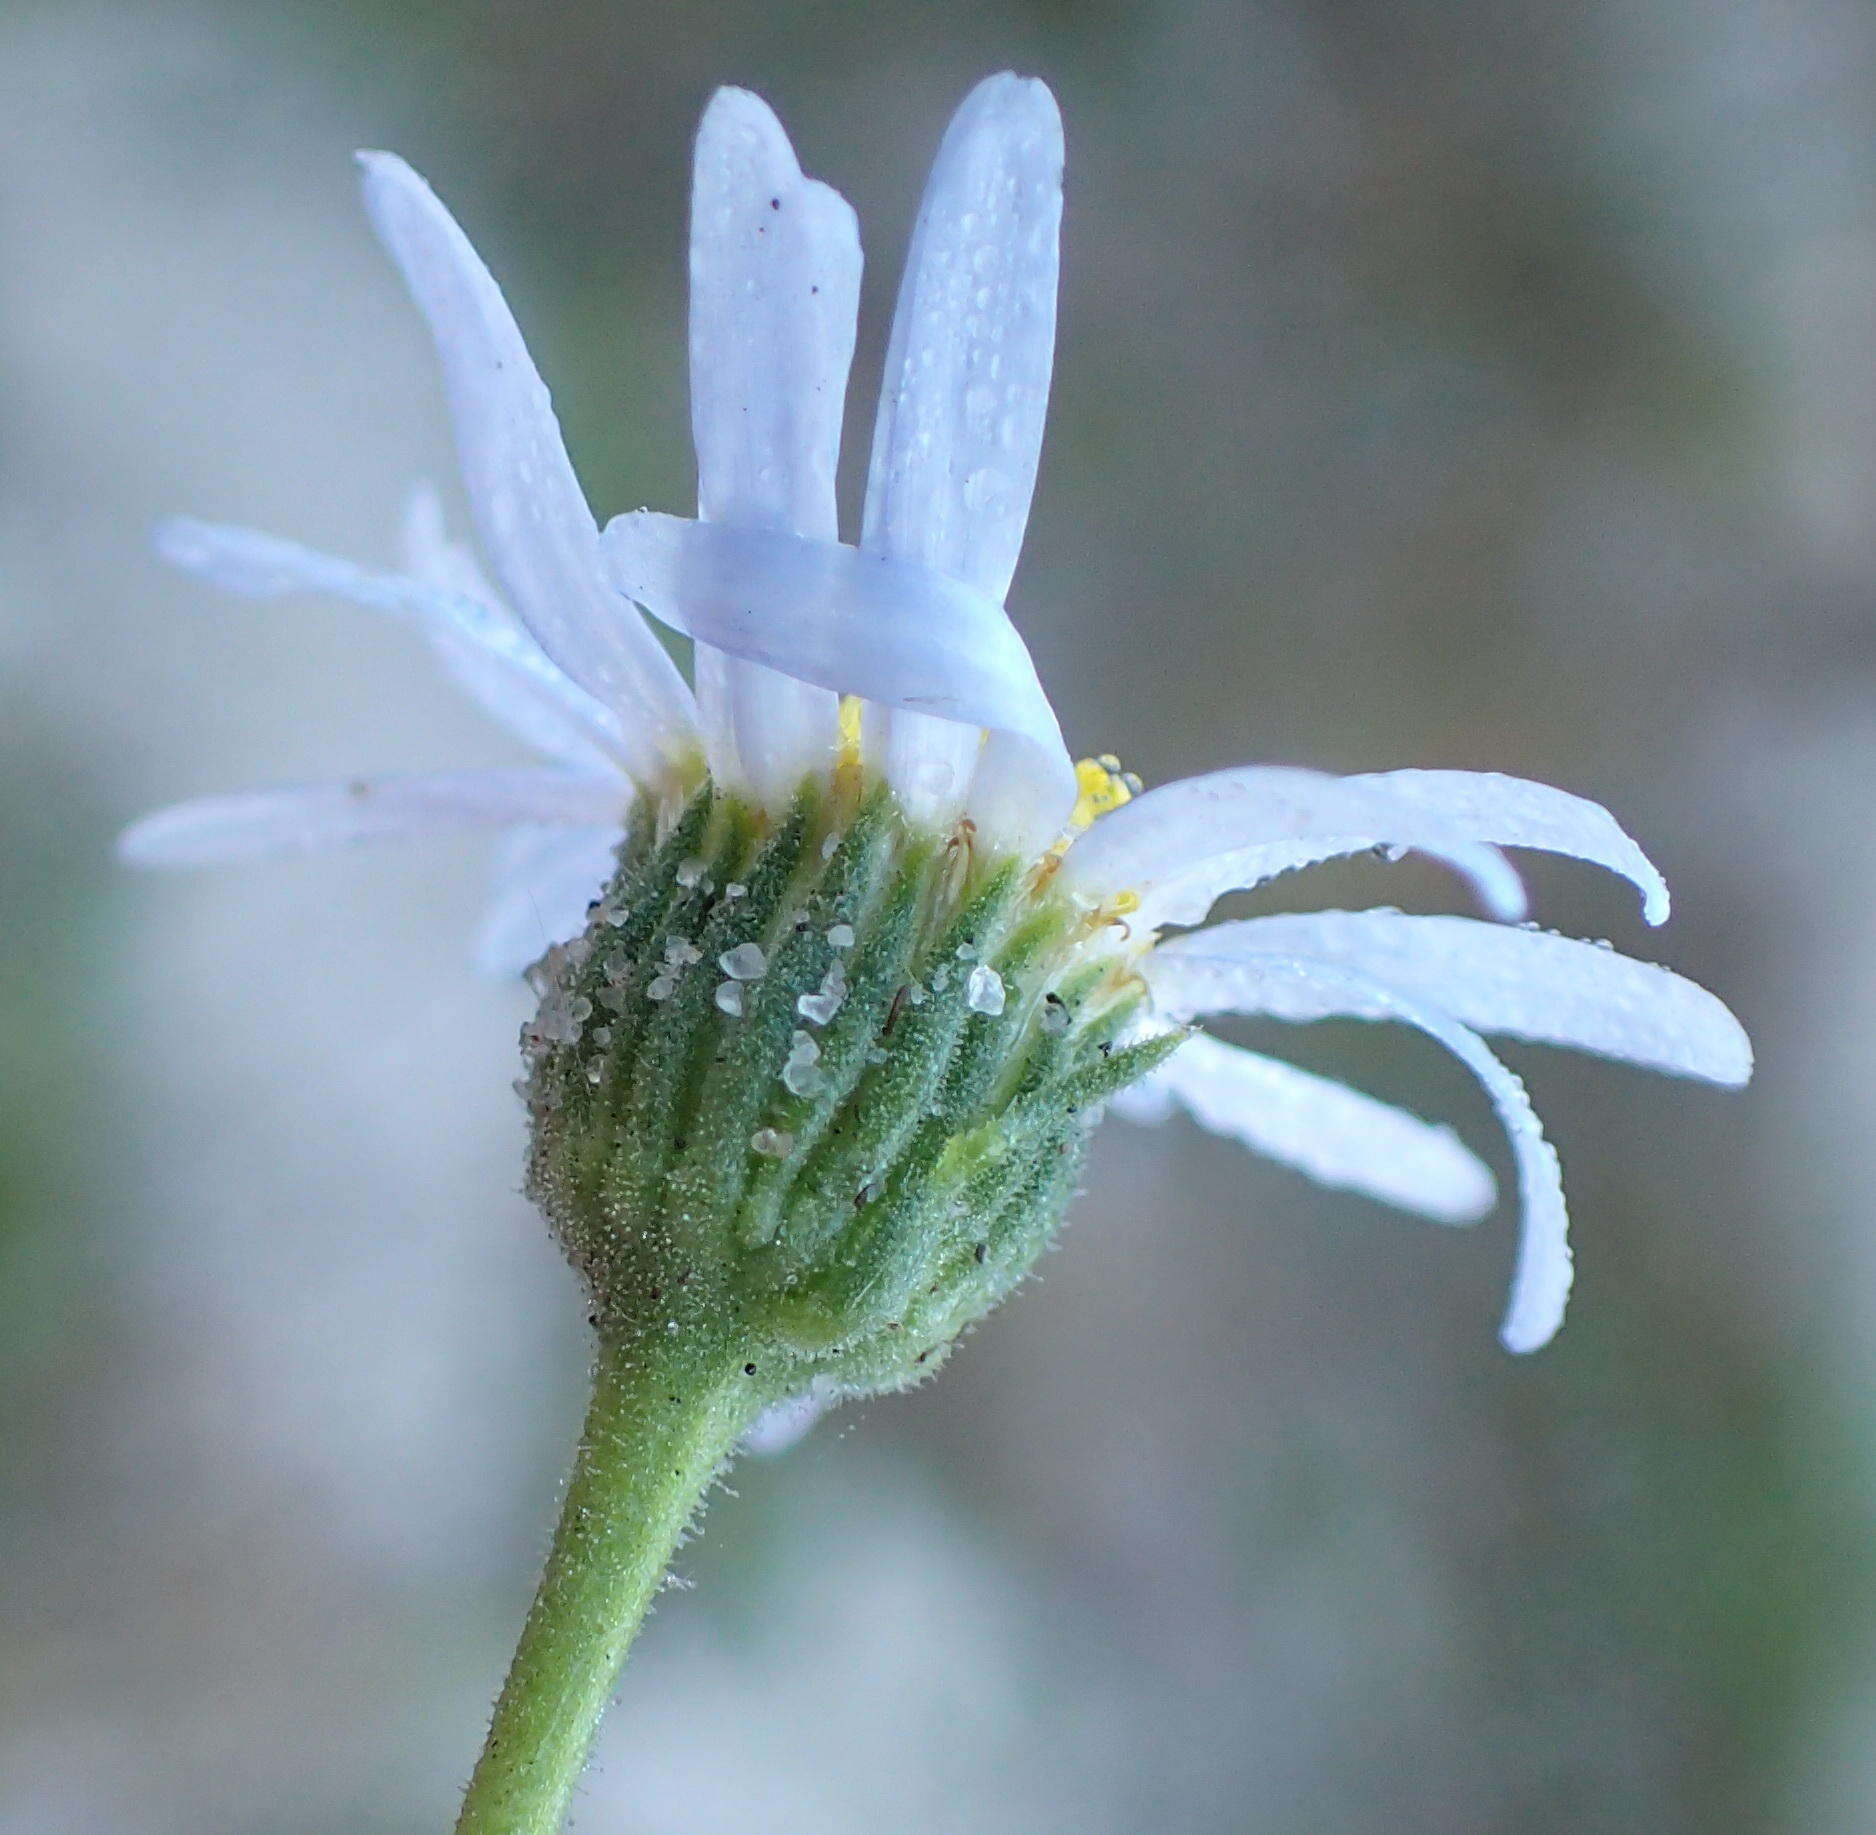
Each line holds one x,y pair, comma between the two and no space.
850,729
1102,787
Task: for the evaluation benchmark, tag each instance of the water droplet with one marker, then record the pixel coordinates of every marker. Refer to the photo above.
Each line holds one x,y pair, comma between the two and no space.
690,873
772,1142
802,1074
681,952
840,936
734,891
660,987
745,962
983,993
729,997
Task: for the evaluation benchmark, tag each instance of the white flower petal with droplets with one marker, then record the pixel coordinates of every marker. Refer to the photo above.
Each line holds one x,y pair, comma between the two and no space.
544,881
299,819
1526,984
1285,987
1335,1134
966,386
536,528
889,631
522,689
1516,812
1181,846
549,713
775,293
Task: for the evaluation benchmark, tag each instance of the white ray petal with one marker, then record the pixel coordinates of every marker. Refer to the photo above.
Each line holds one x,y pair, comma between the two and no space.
1525,984
1337,1135
303,818
520,687
544,881
533,518
1183,845
1285,987
1516,812
774,294
966,383
890,631
556,723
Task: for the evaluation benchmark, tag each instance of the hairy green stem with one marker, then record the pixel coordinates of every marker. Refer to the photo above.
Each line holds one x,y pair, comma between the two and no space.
660,1427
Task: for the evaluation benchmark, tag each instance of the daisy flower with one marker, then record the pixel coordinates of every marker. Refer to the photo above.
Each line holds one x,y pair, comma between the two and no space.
877,688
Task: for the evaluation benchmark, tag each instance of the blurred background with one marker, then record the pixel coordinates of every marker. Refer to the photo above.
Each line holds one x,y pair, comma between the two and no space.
1483,386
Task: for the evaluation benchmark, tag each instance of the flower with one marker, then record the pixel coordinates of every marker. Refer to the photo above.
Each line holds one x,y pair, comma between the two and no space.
892,662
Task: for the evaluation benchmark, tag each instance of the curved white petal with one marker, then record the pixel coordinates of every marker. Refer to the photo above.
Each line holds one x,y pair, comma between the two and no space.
966,383
774,295
1285,987
1337,1135
299,819
1526,984
502,667
533,518
1181,846
544,881
890,631
1516,812
554,717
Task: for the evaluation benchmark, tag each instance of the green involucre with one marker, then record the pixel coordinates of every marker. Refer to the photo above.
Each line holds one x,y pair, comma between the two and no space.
831,1189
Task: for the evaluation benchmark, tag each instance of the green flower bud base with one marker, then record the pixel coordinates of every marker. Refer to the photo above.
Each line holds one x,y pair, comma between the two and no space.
808,1097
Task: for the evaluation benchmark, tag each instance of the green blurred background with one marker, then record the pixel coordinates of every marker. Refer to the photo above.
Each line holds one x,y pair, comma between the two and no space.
1476,385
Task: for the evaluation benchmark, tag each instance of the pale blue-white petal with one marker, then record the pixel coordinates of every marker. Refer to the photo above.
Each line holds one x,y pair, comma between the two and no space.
557,727
1525,984
965,391
533,518
1286,987
966,382
304,818
1516,812
890,631
518,686
1337,1135
774,294
544,881
1181,846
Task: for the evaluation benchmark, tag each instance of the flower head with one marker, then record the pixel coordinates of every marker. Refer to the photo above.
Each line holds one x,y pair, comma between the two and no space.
839,928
